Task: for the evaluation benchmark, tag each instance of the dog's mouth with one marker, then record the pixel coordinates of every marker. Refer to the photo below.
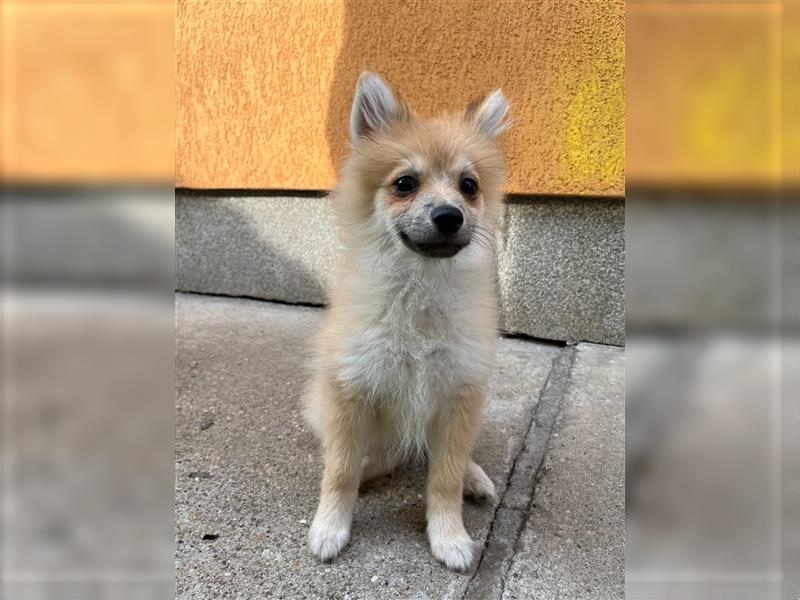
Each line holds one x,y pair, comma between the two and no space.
434,249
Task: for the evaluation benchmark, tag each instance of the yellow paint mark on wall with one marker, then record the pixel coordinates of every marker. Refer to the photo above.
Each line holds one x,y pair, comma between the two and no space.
594,131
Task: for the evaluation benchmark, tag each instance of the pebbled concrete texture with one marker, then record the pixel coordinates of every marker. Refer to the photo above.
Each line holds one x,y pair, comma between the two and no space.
561,263
573,543
248,468
271,247
562,269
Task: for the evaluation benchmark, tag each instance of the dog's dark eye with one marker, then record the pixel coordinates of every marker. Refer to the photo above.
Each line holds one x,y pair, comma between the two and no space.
405,184
469,187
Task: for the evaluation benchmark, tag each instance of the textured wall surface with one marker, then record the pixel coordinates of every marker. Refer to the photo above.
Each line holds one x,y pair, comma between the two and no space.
88,87
264,89
561,267
88,92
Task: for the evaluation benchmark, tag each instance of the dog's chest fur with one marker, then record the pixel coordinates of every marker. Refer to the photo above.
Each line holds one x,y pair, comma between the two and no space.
416,343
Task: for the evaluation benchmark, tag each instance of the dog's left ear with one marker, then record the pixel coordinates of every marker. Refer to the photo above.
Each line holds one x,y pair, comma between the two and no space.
490,115
374,106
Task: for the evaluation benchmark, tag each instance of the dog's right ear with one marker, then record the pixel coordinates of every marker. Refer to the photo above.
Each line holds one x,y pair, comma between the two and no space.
490,115
374,106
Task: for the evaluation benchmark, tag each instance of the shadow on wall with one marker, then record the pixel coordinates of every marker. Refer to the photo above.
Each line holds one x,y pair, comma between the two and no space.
421,46
560,64
561,264
232,247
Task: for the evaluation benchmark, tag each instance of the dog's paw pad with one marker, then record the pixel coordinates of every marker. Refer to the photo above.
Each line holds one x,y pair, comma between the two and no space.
455,552
326,542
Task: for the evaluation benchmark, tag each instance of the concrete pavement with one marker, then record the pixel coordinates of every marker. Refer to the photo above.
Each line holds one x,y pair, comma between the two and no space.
248,469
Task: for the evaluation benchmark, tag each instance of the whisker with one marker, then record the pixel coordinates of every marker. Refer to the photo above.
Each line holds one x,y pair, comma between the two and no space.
485,236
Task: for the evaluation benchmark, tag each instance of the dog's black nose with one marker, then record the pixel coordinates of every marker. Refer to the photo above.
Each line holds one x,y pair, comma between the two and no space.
447,218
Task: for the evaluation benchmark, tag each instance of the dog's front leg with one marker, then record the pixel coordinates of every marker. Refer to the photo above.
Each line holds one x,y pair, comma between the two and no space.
344,446
449,444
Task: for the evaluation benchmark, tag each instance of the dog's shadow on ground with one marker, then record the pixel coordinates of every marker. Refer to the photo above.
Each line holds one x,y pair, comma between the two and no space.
404,478
408,479
398,497
394,506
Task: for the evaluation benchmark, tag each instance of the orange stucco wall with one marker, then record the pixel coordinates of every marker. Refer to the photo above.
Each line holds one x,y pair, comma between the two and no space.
264,89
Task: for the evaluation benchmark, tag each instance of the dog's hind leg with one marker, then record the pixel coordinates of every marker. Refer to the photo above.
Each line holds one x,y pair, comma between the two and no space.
377,464
380,459
476,483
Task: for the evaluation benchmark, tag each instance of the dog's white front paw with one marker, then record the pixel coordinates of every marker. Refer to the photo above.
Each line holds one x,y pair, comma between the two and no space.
477,484
327,537
454,550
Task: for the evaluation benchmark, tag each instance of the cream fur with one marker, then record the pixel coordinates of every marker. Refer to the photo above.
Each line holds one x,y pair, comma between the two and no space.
409,342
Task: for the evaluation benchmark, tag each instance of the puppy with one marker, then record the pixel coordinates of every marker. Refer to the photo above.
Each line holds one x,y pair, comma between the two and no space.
408,347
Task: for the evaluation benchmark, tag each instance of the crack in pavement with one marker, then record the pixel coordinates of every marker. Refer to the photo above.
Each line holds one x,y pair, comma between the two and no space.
488,580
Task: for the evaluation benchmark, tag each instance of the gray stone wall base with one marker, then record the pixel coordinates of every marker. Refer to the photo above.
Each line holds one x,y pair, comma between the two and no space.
561,263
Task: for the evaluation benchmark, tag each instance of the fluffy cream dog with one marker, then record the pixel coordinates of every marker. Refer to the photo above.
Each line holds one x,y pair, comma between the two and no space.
409,343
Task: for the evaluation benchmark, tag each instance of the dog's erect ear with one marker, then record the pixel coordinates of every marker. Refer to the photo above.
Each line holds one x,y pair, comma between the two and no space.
490,115
374,106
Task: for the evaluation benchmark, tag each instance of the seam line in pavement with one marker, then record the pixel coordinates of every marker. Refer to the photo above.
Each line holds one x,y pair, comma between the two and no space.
224,295
508,520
